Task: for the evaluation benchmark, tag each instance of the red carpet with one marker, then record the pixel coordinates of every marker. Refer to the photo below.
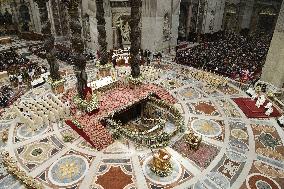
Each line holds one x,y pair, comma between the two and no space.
251,111
79,131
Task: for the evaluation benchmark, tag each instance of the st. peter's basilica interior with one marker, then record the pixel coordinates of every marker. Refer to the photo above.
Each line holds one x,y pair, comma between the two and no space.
141,94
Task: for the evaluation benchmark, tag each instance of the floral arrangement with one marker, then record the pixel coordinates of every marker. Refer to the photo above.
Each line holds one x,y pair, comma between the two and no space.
108,87
135,81
115,100
87,106
77,124
141,137
157,141
258,89
177,115
68,138
12,168
57,83
270,94
102,67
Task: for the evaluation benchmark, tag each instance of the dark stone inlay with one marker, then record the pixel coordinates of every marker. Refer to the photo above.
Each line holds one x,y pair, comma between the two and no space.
56,142
54,151
43,177
102,168
128,168
44,140
30,165
20,150
116,160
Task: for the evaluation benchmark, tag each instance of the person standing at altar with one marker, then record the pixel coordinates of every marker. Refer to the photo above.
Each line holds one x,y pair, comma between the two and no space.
20,80
113,60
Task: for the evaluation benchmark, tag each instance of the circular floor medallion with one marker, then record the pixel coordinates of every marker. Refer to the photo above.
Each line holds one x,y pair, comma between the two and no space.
258,181
68,170
207,128
173,177
26,132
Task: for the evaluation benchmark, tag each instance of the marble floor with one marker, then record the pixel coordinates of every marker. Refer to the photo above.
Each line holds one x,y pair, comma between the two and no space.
236,152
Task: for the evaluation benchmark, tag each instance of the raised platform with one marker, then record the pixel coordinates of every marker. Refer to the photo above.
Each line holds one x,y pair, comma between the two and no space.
121,97
251,111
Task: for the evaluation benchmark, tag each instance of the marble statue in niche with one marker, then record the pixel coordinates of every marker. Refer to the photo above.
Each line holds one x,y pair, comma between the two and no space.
24,17
87,31
166,28
123,25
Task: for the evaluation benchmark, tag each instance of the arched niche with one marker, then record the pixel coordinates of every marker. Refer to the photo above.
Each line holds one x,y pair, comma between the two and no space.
266,19
230,19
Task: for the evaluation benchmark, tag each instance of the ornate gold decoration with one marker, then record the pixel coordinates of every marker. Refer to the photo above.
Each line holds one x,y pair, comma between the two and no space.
270,11
193,141
68,170
161,164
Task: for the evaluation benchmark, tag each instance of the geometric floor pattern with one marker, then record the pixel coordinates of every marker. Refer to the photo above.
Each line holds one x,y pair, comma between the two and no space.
236,152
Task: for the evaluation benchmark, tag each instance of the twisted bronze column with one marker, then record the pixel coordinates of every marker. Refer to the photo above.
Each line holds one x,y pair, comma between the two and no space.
78,59
48,40
100,13
135,37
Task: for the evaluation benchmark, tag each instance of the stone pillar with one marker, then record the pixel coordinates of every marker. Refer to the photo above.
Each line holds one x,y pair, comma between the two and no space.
50,16
100,15
213,16
241,10
43,12
188,19
35,16
248,10
273,71
148,20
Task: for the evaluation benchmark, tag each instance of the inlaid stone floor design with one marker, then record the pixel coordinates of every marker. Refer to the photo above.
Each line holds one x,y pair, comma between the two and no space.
236,152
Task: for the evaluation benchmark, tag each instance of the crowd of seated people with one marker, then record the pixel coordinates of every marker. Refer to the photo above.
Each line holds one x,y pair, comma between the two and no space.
63,53
6,93
10,59
19,67
232,55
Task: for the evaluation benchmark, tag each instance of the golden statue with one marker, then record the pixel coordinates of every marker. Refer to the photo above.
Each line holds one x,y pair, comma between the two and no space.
193,141
161,164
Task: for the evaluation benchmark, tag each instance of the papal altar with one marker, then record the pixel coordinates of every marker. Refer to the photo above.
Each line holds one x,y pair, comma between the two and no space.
113,101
